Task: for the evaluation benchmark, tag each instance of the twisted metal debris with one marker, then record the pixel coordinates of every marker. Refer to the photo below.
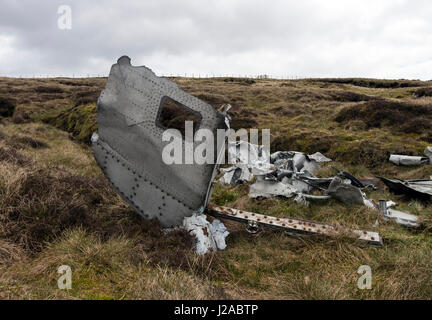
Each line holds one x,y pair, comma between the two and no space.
128,148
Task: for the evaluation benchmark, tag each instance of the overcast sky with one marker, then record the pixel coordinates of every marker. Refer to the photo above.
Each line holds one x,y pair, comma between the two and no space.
303,38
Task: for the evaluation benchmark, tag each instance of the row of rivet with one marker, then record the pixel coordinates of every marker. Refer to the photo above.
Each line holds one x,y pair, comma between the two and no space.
139,176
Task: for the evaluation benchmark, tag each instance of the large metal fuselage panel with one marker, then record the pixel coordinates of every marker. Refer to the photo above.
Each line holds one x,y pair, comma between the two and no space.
129,145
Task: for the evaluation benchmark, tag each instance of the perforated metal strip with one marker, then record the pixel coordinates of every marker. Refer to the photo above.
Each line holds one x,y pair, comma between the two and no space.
297,226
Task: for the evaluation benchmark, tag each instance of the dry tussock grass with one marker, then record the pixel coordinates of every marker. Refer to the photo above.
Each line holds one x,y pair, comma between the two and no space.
41,204
101,270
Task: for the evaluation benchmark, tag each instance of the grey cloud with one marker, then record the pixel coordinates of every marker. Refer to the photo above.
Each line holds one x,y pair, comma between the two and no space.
283,38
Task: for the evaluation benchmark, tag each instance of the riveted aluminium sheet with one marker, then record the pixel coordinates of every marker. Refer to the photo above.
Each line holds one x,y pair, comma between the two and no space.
128,145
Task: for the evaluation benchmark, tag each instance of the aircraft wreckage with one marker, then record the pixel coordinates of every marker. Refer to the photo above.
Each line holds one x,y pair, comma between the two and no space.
128,148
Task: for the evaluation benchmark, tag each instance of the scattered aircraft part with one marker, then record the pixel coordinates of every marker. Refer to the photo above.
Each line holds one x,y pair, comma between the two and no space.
304,198
402,218
265,189
209,236
303,163
264,172
283,155
254,156
316,198
280,174
289,174
248,153
402,160
319,183
299,185
291,179
344,192
128,146
367,183
412,160
236,174
421,189
319,157
354,181
293,226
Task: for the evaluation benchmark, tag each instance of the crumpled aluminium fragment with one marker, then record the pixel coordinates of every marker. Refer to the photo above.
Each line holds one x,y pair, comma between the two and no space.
248,153
263,189
299,185
318,183
209,236
319,157
295,161
236,174
303,163
289,174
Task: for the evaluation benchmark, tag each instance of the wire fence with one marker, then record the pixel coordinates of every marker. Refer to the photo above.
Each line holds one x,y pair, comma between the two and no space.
166,75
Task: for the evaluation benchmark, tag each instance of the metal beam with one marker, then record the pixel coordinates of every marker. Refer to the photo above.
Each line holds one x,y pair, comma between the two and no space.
293,226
